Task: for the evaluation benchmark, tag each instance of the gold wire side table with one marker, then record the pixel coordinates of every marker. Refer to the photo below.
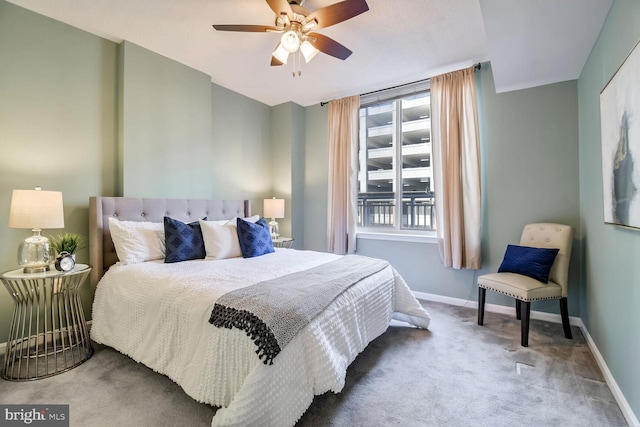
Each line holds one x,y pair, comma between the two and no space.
48,333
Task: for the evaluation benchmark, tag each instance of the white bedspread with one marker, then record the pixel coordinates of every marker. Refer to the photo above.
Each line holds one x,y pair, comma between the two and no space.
158,313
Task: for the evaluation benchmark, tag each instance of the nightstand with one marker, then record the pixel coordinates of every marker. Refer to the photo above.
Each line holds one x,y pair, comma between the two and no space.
48,333
283,242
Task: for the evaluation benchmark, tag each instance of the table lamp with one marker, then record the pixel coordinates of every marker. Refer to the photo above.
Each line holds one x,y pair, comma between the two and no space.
274,208
37,210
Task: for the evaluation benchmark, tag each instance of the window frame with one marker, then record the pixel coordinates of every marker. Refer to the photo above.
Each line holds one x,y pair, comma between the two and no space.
396,95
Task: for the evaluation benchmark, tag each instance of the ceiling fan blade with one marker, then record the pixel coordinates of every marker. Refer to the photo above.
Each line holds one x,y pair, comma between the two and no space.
275,61
246,28
338,12
329,46
280,7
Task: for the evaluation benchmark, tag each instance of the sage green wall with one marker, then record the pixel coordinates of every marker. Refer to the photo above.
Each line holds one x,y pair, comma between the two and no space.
316,177
165,127
529,141
611,270
529,145
298,151
241,160
57,117
287,138
183,136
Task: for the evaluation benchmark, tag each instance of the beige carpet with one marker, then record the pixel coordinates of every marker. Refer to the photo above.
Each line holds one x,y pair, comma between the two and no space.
456,374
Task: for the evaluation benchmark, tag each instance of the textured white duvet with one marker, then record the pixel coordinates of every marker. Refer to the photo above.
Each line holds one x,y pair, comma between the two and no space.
158,315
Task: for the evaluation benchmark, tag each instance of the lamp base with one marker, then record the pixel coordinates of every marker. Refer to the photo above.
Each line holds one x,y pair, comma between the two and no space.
39,269
273,228
33,255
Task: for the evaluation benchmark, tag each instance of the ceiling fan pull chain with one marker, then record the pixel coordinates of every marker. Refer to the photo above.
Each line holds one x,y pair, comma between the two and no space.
293,65
296,60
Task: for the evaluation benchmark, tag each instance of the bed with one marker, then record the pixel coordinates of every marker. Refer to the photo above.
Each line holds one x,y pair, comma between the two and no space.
159,314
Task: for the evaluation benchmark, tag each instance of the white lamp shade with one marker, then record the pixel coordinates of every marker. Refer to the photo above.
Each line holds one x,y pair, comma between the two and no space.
36,209
290,41
308,50
281,54
274,208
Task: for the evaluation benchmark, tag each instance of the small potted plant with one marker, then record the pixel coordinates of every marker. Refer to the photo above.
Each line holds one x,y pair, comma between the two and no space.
67,242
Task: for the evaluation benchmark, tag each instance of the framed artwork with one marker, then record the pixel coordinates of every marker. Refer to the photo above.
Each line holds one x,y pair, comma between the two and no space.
620,139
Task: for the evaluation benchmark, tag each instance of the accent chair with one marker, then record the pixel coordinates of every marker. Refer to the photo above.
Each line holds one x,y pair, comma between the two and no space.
525,288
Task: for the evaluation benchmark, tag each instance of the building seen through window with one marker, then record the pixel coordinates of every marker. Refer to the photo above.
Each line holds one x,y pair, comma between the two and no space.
395,188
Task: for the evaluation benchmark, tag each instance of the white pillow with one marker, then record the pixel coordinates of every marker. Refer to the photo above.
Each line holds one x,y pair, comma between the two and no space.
137,241
221,240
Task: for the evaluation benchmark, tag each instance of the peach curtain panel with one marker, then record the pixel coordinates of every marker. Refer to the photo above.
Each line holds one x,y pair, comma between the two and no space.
343,174
456,168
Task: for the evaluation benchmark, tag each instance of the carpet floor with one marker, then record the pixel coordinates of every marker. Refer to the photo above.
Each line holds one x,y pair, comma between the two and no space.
455,374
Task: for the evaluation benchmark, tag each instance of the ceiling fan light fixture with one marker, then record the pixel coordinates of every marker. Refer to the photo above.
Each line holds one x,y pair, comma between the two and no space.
309,25
308,51
296,26
281,54
290,41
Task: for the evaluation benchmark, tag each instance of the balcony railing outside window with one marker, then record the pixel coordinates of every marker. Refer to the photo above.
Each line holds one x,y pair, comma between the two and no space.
378,210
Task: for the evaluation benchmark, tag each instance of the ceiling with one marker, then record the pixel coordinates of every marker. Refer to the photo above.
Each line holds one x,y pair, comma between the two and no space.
529,43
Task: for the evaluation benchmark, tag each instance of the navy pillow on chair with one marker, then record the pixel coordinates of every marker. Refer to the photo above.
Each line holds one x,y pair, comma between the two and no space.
254,238
533,262
182,241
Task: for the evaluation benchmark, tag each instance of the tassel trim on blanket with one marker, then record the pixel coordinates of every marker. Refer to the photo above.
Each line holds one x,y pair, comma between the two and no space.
261,335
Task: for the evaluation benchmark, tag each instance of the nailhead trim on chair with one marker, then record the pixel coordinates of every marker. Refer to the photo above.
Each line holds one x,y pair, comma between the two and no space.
517,297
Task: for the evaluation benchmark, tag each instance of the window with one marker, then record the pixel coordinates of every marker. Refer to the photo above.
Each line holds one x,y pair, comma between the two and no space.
395,190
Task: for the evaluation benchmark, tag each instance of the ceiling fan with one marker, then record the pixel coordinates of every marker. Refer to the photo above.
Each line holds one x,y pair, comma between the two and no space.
296,24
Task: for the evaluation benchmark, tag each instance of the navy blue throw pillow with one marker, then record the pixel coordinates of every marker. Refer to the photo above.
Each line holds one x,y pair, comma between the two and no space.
533,262
254,238
182,241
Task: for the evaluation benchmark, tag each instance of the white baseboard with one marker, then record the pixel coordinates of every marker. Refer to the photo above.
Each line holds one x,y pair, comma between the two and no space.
495,308
632,420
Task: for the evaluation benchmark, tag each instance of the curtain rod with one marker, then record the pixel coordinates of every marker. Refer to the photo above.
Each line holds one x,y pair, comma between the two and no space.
323,103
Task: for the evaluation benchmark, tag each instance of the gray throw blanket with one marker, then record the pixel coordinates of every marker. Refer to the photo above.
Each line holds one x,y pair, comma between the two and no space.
272,312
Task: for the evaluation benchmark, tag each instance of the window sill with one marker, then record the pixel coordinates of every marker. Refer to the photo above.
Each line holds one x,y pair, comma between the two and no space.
429,237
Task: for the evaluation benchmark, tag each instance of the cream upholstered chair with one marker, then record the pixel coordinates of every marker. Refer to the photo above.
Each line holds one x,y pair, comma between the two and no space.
526,289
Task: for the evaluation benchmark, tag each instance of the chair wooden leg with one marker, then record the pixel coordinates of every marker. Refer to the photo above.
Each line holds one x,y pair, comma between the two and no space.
524,322
518,316
482,293
564,313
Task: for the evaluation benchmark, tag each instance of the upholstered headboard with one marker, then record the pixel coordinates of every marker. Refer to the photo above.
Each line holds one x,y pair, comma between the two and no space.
102,253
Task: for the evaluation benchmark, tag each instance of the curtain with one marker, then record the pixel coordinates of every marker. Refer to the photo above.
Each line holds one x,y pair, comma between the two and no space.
456,168
343,174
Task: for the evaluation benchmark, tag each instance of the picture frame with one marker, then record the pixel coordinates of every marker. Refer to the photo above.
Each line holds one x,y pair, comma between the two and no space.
620,141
